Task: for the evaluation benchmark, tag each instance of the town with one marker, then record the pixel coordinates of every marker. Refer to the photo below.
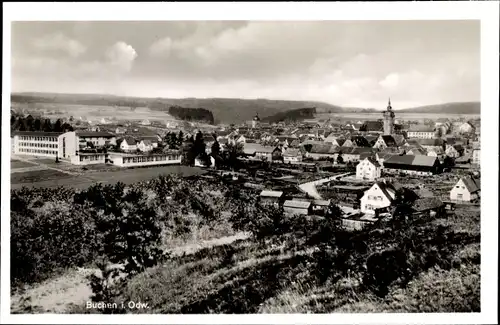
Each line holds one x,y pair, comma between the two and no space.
303,166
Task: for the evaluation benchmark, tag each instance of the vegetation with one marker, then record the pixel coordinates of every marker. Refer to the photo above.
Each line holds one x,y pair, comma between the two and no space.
29,123
192,114
293,115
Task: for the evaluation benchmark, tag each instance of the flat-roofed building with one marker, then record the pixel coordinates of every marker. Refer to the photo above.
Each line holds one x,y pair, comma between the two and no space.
138,160
45,144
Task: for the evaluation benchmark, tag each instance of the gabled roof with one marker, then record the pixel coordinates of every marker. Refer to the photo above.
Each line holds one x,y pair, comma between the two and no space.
94,134
251,148
372,160
420,128
389,141
411,160
130,141
268,193
292,152
431,142
359,151
297,204
321,202
472,184
387,188
324,148
147,142
372,126
426,203
360,141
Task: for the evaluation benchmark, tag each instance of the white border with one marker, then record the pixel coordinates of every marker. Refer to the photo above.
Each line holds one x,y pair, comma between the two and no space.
487,12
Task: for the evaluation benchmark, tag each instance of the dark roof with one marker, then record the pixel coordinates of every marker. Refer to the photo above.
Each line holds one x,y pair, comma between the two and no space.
389,141
411,160
359,151
360,141
385,187
94,134
472,184
431,142
372,126
130,141
38,134
324,148
426,203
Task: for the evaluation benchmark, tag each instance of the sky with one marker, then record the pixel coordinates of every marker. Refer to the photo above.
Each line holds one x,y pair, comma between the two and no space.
346,63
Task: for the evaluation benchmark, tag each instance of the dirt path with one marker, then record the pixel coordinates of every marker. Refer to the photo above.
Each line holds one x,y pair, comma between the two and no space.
56,295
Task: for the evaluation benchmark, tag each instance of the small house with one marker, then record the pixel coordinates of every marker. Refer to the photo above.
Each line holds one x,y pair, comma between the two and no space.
128,144
145,146
467,189
380,195
295,207
368,169
272,197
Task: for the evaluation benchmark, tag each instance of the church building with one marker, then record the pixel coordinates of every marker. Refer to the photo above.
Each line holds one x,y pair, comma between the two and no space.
389,120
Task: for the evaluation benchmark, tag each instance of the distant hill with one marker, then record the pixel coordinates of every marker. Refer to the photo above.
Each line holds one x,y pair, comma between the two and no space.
225,110
448,108
229,110
294,115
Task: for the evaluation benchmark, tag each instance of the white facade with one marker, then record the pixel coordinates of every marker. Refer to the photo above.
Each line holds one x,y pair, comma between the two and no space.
421,134
144,160
125,146
476,156
375,198
145,147
367,170
88,159
36,144
459,192
380,143
292,159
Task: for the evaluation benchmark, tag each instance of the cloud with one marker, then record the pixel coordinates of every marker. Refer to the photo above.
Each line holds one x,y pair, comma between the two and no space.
60,42
121,55
391,81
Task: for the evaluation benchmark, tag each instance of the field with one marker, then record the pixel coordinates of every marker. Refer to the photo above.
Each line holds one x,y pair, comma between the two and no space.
94,113
53,178
20,164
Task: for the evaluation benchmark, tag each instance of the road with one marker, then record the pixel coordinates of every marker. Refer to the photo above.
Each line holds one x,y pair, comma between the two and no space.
310,187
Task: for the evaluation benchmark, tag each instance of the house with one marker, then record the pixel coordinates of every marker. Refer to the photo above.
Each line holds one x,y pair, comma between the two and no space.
348,144
467,189
292,155
320,207
465,128
412,165
429,144
241,139
146,122
128,144
368,169
198,162
120,130
417,152
421,132
154,139
372,126
321,151
476,153
428,205
295,207
454,151
385,141
380,195
260,152
145,146
271,197
354,154
359,141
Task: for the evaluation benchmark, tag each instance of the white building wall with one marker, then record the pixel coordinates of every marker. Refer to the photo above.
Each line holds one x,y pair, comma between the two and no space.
373,199
34,145
124,161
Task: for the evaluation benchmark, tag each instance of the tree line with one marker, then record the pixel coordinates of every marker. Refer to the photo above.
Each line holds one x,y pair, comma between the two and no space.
39,124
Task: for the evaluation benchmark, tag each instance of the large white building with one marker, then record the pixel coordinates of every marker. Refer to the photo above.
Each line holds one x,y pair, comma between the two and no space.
421,132
45,144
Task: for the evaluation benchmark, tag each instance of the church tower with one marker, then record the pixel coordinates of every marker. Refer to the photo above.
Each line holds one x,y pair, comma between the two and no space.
389,120
255,121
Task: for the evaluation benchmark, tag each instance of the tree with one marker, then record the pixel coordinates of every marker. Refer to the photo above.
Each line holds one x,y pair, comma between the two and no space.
340,160
231,153
66,127
180,139
215,151
47,126
188,156
28,123
37,125
58,126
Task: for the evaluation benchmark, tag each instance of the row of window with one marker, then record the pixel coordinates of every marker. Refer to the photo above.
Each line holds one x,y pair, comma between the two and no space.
32,138
38,145
374,198
91,158
39,151
128,160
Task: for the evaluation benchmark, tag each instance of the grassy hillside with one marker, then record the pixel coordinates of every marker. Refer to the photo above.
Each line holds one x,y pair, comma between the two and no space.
292,115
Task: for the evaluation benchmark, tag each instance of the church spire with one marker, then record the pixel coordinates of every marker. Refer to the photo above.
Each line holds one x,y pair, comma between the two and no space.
389,107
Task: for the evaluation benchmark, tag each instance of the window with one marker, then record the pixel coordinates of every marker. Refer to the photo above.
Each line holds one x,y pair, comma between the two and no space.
460,196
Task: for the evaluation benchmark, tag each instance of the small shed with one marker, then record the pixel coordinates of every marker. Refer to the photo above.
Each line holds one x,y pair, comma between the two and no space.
297,207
